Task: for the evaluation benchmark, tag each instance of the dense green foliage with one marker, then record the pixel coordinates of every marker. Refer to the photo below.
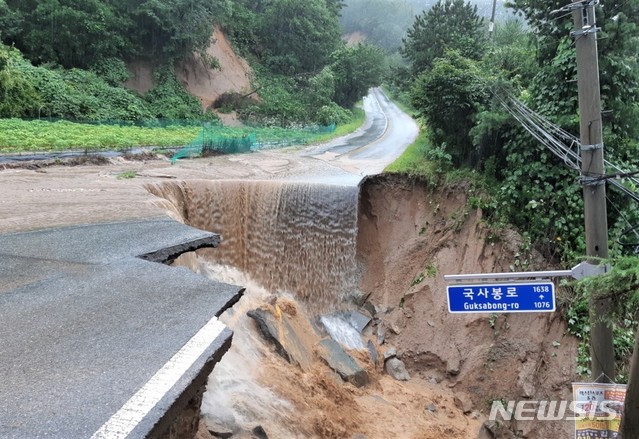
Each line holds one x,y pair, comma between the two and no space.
306,74
448,25
459,96
452,90
299,35
57,30
67,58
324,97
75,94
71,59
356,69
621,284
17,95
79,33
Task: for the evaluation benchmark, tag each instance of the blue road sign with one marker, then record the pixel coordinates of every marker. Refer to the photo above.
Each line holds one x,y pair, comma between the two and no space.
500,298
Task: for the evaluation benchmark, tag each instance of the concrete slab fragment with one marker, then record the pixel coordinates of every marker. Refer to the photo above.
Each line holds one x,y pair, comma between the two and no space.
293,338
342,363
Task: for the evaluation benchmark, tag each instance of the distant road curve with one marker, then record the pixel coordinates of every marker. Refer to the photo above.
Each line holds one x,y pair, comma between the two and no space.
385,135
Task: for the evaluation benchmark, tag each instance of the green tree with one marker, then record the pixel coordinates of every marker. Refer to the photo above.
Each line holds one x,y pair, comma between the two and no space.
448,97
356,70
335,6
448,25
80,33
299,36
321,88
241,20
170,29
512,52
72,33
10,20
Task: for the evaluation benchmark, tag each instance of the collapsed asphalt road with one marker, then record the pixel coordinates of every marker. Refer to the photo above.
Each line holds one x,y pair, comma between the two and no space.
97,342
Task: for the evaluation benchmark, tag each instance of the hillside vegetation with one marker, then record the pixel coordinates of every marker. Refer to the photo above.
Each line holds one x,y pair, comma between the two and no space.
457,77
67,59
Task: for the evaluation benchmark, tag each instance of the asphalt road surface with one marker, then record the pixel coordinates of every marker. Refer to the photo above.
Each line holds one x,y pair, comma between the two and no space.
97,342
383,138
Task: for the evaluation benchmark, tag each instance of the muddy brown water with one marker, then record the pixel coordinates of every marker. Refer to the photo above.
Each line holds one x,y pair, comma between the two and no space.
290,237
292,240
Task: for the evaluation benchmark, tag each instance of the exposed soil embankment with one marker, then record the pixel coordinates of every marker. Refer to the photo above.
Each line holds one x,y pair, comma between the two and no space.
409,237
228,73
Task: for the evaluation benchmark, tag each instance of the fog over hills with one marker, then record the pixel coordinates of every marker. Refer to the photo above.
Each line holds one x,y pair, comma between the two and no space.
385,22
484,7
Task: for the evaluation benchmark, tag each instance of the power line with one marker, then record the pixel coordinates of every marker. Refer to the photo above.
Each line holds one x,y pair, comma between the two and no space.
631,228
619,6
564,145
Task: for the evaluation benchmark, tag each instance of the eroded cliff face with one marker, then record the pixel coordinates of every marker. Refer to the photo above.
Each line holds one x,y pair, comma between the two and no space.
409,237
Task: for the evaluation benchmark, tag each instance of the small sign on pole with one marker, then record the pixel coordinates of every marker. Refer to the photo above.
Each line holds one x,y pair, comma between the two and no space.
599,409
502,297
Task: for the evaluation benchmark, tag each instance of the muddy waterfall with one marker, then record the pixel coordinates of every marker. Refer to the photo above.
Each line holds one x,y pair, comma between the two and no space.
303,249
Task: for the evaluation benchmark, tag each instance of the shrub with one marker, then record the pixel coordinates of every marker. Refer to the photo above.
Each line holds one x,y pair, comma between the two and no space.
333,114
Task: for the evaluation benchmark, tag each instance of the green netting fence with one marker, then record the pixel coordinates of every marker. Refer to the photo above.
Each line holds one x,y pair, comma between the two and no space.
209,142
213,140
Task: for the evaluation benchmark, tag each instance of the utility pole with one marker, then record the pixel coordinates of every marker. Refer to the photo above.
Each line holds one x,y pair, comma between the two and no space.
594,188
491,25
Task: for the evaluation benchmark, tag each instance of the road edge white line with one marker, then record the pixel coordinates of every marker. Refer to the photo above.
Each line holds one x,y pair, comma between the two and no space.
122,423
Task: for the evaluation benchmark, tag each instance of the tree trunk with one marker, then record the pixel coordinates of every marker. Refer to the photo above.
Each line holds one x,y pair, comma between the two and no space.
630,423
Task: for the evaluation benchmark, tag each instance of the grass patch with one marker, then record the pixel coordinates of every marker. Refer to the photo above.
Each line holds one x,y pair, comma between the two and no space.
413,161
418,279
38,135
357,121
127,175
18,135
359,115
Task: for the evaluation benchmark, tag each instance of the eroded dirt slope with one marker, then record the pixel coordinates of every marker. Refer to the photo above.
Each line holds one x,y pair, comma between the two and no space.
408,232
205,82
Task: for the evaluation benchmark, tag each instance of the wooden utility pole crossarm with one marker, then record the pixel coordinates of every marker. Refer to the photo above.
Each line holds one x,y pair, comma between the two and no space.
594,188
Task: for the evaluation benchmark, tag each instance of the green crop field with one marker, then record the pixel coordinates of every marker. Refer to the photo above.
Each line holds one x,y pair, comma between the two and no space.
23,136
18,135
